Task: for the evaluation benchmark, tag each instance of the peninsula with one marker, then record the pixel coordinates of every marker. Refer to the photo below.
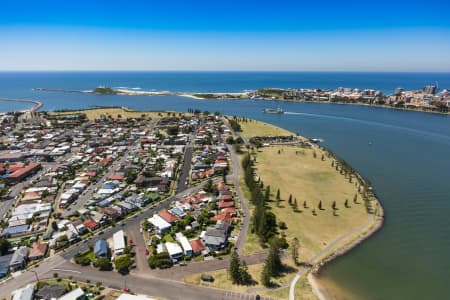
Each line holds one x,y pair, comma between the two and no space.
428,99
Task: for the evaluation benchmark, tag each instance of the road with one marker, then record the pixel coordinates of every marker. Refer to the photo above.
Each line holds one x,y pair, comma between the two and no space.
87,194
246,214
184,174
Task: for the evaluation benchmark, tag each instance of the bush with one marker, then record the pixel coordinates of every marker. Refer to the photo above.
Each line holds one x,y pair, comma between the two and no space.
161,260
102,263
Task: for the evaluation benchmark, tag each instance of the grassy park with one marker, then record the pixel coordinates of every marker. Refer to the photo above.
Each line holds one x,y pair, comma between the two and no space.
310,176
257,128
114,113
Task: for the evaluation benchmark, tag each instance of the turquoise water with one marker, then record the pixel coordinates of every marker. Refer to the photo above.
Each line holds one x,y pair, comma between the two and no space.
404,154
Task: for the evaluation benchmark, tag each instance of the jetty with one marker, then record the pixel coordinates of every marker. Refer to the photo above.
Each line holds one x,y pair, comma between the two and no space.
37,105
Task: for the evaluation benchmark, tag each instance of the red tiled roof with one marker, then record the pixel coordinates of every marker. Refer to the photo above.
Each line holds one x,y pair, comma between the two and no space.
90,224
222,186
38,249
166,215
226,197
230,210
116,177
197,246
222,217
226,204
23,171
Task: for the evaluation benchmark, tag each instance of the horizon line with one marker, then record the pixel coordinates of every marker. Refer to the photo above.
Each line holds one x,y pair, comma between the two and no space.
226,70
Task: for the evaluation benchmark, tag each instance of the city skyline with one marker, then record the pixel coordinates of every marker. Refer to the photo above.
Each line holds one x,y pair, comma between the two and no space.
256,36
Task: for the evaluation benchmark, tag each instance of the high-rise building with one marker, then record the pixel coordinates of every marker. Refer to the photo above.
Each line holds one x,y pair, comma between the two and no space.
398,91
429,89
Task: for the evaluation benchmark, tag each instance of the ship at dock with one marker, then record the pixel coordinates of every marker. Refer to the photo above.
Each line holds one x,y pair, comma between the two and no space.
273,111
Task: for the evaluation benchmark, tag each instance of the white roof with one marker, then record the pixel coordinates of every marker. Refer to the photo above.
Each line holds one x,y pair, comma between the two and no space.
134,297
25,293
159,222
183,241
173,249
119,241
73,295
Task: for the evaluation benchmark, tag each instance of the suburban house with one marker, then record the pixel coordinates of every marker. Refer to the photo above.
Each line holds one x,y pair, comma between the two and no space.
25,293
18,260
49,292
197,246
76,294
175,251
38,250
159,224
214,238
100,248
187,249
4,265
119,242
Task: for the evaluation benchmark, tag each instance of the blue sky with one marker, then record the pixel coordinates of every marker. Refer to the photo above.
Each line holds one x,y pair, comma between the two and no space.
225,35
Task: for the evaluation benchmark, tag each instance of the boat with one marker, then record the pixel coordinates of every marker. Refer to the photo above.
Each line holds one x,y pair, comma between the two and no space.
273,111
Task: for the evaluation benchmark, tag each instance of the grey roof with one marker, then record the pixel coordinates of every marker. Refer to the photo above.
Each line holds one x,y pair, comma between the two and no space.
16,229
4,264
214,240
19,256
50,292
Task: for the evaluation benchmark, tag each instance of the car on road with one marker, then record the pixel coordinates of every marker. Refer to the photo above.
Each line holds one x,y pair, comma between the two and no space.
146,252
130,242
125,289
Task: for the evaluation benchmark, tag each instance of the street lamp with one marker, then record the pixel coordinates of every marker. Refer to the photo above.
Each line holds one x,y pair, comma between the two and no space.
35,274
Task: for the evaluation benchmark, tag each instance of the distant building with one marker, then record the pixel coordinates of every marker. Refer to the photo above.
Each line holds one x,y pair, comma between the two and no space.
398,91
430,89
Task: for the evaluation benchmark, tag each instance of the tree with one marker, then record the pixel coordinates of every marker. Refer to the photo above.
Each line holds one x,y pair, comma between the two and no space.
295,246
278,195
295,205
4,246
234,268
304,204
272,266
123,264
333,206
320,205
282,225
54,226
265,276
102,263
346,203
355,199
290,199
209,186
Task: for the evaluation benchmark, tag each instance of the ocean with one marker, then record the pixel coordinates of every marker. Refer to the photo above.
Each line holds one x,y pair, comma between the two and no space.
404,154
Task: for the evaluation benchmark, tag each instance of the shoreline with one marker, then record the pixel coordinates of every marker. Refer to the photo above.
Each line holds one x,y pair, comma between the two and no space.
345,244
37,105
319,288
231,96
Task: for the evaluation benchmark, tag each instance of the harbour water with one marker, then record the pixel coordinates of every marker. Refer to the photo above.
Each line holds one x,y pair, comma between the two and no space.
404,154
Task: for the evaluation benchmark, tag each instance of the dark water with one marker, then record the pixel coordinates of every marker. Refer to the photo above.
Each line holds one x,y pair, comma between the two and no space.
406,156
